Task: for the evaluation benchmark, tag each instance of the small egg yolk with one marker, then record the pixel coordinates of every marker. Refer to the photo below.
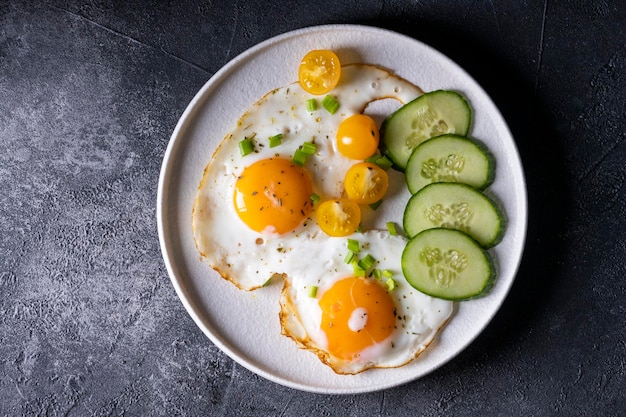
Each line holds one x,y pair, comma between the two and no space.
356,313
273,195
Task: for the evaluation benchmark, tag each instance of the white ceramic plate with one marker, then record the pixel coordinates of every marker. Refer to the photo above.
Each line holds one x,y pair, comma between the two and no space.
245,324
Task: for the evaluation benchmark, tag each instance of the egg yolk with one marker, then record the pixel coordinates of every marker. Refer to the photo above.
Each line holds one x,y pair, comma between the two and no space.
273,195
356,313
358,137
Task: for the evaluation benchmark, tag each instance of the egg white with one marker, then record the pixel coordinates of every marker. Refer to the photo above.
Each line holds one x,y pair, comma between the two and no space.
419,316
248,258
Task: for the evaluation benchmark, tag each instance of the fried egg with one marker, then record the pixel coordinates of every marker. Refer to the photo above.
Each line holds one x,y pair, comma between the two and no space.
253,212
353,323
254,219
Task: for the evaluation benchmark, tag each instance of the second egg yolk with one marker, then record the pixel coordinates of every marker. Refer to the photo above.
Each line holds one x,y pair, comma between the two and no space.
356,313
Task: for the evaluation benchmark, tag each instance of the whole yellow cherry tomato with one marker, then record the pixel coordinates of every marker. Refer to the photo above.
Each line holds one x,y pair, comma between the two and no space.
358,137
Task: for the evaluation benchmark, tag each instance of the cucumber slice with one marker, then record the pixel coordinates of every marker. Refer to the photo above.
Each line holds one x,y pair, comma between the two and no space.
450,158
432,114
454,206
448,264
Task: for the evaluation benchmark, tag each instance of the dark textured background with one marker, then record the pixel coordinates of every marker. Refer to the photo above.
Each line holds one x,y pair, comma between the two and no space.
90,92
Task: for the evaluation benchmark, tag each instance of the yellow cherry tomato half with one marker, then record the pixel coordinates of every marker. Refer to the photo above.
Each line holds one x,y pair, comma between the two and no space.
366,183
358,137
319,71
338,217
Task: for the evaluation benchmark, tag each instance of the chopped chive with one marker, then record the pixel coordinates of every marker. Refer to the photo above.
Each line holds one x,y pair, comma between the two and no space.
314,198
266,283
391,227
246,146
380,160
357,270
330,103
276,140
367,262
384,162
313,291
353,245
299,157
303,152
387,273
349,257
311,105
377,204
391,284
376,273
309,148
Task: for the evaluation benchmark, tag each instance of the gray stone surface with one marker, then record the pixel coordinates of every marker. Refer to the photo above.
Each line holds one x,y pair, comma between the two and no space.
90,93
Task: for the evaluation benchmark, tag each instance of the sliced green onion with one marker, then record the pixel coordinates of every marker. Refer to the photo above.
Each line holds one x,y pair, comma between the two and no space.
391,227
349,257
313,291
353,245
367,262
311,105
246,146
299,157
377,204
315,198
266,283
387,273
384,162
376,273
303,152
390,284
357,270
331,104
309,148
276,140
380,160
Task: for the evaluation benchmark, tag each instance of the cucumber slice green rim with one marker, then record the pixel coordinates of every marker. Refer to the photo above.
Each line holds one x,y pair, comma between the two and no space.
454,206
448,264
450,158
431,114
